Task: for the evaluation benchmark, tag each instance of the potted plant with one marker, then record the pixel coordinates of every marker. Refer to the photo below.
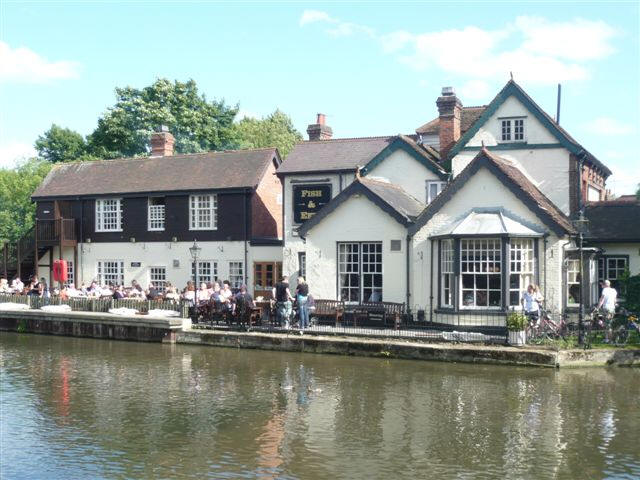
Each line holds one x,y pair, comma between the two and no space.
516,322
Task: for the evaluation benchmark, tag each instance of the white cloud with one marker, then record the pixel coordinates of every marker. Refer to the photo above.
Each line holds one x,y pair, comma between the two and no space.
579,39
13,153
338,28
312,16
608,126
475,90
245,114
24,65
624,180
536,50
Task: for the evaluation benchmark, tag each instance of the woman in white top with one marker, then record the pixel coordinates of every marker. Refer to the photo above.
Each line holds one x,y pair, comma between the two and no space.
530,302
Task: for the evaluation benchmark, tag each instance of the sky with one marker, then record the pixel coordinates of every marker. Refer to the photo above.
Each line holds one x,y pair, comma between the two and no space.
372,68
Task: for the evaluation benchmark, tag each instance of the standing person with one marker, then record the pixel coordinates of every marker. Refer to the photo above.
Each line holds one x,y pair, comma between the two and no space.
283,297
530,302
302,296
46,293
608,304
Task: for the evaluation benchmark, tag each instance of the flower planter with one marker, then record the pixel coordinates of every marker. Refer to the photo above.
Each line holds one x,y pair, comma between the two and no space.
517,338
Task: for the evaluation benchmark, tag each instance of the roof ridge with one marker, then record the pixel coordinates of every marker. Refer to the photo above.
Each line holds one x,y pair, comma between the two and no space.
149,157
346,139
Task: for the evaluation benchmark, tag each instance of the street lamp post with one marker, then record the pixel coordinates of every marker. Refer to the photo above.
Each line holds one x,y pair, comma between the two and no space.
581,224
195,250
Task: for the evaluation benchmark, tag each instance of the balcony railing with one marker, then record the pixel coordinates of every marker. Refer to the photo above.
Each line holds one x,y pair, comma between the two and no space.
56,230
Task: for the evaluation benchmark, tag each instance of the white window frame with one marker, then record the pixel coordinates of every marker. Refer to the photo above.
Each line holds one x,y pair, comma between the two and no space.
447,280
354,258
155,216
210,266
521,263
593,194
236,273
573,278
302,264
115,277
479,258
71,274
159,281
440,185
102,211
201,216
513,127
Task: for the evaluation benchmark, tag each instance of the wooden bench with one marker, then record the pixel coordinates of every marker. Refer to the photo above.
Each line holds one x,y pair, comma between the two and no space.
333,309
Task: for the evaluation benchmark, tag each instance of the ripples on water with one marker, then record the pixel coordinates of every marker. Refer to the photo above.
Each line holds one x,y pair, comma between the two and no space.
80,408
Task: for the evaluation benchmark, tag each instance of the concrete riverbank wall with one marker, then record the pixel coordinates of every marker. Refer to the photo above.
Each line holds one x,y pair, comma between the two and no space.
142,328
146,328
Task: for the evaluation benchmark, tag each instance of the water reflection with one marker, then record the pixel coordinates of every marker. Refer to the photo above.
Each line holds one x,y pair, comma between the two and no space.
76,408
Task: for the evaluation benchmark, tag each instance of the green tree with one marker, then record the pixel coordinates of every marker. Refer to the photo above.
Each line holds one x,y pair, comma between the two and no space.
275,130
60,144
196,123
17,212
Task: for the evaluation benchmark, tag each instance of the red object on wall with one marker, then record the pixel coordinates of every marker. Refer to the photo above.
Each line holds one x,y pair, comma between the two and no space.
60,273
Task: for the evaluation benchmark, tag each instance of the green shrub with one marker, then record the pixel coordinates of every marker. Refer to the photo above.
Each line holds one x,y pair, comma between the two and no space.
516,321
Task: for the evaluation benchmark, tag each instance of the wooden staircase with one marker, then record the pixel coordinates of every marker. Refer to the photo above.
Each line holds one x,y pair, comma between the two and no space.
20,258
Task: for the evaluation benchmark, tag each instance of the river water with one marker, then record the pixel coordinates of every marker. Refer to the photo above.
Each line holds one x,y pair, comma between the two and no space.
92,409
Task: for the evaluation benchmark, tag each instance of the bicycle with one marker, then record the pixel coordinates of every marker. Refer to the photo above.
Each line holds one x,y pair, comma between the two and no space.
627,326
544,327
597,320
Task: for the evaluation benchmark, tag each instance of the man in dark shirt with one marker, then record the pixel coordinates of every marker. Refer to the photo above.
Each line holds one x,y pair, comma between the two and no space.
283,298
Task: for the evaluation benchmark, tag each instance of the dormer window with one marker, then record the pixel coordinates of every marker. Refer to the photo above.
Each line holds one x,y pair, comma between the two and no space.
512,130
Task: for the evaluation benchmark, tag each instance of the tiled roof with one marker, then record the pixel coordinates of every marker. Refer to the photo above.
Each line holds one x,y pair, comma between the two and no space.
396,197
338,154
614,221
389,197
200,171
468,117
514,179
347,154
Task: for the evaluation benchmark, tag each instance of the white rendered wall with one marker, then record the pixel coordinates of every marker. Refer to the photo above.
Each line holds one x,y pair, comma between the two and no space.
163,254
548,168
357,219
293,243
631,249
404,170
482,190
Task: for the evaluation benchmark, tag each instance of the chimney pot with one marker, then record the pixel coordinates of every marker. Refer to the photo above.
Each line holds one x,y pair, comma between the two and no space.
162,142
450,110
319,130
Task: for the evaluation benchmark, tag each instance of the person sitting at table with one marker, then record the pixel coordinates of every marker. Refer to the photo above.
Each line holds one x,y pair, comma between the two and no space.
189,293
4,286
152,292
17,286
136,291
35,289
244,303
203,293
171,294
119,294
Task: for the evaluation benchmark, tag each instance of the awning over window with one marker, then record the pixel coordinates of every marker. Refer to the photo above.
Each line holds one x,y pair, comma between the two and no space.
489,223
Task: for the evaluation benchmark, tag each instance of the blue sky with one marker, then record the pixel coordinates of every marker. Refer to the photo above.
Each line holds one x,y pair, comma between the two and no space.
373,68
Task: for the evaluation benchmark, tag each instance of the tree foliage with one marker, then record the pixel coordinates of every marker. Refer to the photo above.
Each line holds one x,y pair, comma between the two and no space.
196,123
60,144
275,130
17,212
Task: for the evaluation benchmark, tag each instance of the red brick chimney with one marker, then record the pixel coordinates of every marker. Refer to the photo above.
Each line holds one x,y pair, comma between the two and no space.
319,130
162,142
450,110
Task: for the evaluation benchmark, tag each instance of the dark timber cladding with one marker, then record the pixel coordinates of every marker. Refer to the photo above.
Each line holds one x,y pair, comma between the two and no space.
243,182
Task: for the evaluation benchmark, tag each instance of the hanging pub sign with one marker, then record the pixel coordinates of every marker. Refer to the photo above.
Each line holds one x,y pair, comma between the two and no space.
308,200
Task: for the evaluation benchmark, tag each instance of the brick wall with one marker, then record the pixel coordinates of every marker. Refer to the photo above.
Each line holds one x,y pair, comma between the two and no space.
266,211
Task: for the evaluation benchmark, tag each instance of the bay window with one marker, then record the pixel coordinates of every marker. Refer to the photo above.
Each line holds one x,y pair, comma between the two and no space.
521,268
485,272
